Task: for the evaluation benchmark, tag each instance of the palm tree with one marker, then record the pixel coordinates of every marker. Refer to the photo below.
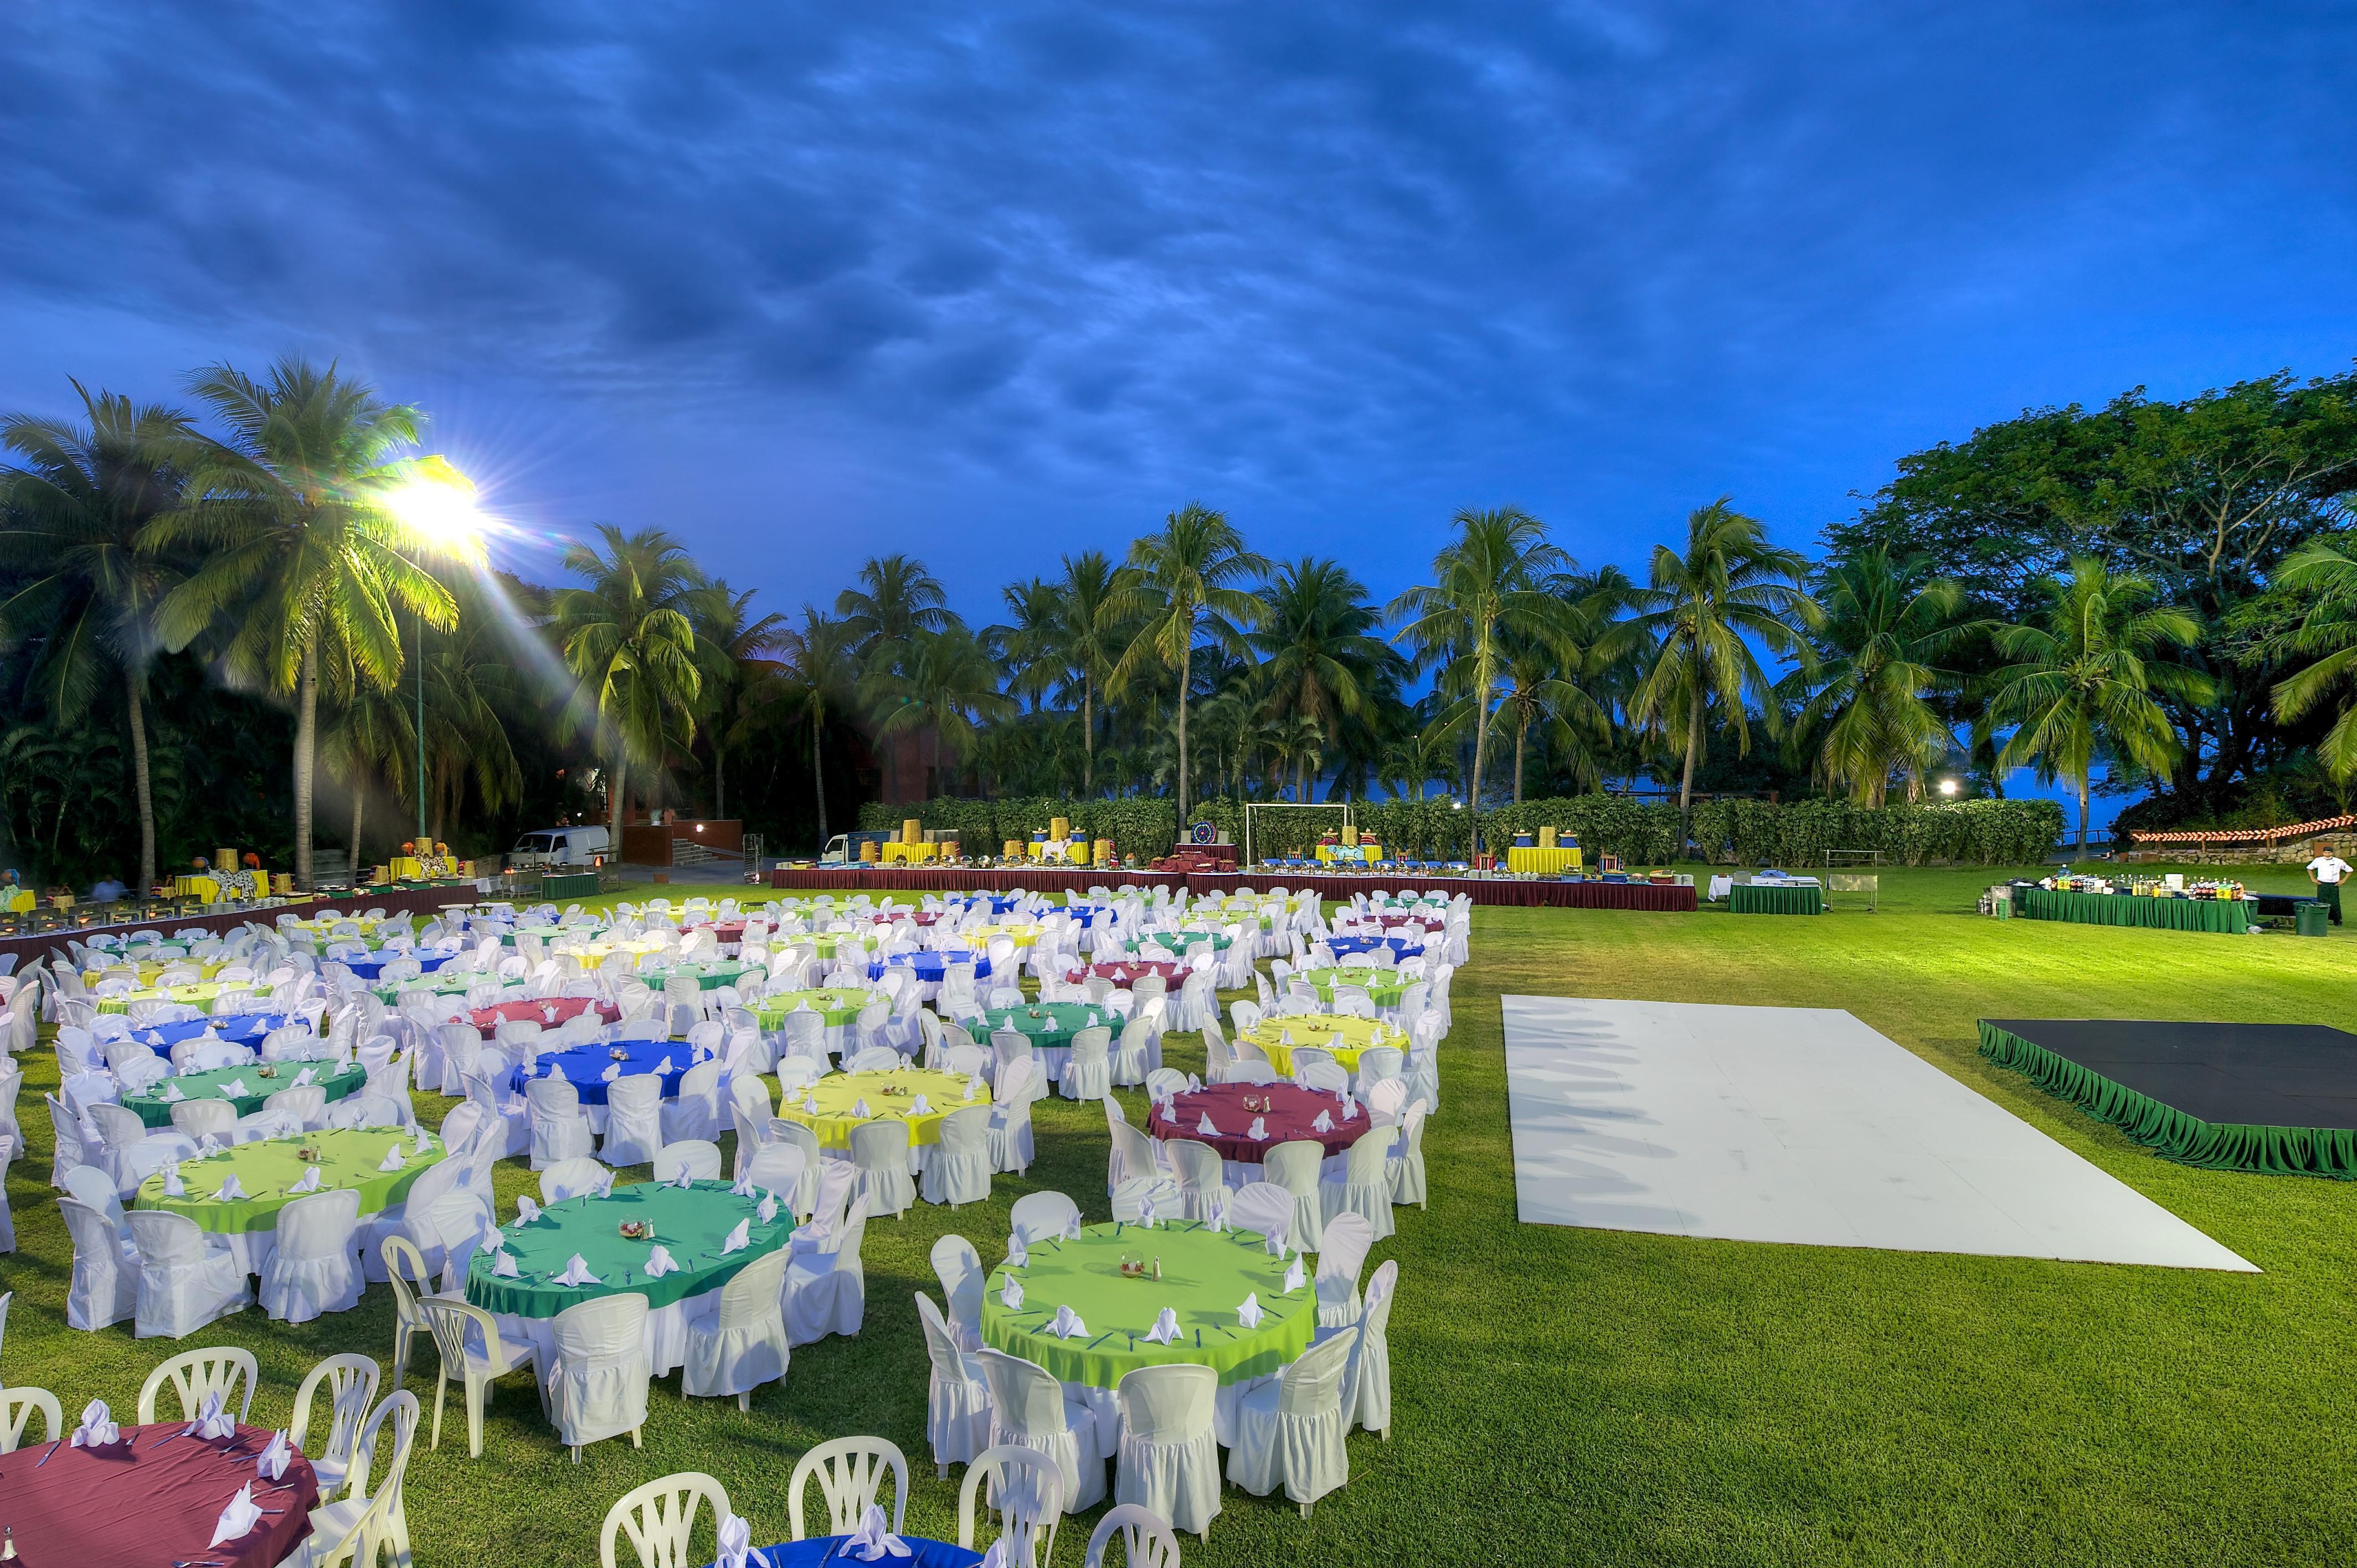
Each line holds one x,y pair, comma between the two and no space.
898,602
1029,647
1884,624
738,653
1319,660
373,730
1706,607
2328,634
819,677
77,502
948,684
2082,679
630,639
300,548
1549,679
1185,590
1091,637
469,679
1494,583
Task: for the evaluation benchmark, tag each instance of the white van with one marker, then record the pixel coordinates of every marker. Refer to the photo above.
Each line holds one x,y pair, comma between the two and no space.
560,846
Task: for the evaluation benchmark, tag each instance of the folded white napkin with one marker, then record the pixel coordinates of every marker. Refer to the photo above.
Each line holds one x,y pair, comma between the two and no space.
736,1539
393,1159
738,1238
212,1420
239,1517
971,1084
303,1079
230,1189
207,1145
1092,1019
1203,1125
98,1428
810,1104
612,1072
1258,1131
1068,1323
1012,1297
422,1144
173,1185
576,1272
527,1209
171,1094
503,1264
803,1005
919,1106
1350,1106
1166,1328
270,1463
1145,1210
1248,1313
663,1066
1285,1036
873,1539
859,1107
1325,1123
310,1182
1073,1228
1018,1256
769,1210
660,1262
1218,1219
234,1089
1194,1084
996,1556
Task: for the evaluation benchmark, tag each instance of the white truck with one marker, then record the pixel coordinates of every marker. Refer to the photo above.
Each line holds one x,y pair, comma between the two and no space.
551,847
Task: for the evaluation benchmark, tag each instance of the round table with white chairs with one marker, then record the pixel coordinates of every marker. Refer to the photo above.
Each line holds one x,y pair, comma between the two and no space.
595,1066
1345,1037
1049,1026
548,1012
837,1007
1383,986
246,1088
888,1096
690,1223
238,1029
204,994
1351,947
267,1169
930,968
372,966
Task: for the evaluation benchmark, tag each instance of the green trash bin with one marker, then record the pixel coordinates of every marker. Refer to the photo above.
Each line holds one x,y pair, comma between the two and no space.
2311,917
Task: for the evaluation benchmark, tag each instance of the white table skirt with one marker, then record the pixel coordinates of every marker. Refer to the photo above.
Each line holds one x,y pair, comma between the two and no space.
666,1331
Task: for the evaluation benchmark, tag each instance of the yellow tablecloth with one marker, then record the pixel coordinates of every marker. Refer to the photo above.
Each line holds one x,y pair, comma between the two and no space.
1543,861
1358,854
979,938
838,1092
200,995
1074,852
20,902
1357,1035
914,853
150,969
203,888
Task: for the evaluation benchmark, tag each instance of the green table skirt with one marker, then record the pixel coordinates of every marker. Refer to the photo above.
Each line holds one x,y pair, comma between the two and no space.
837,1007
155,1113
691,1222
710,977
1383,992
1056,1024
1206,1275
2227,915
266,1169
1759,898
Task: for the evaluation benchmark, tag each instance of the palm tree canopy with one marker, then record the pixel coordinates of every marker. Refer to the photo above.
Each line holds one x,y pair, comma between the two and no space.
630,639
1184,587
898,599
1887,624
1319,655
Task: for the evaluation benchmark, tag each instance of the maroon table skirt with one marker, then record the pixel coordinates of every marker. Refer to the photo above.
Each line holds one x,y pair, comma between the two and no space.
150,1501
1124,973
487,1020
1296,1108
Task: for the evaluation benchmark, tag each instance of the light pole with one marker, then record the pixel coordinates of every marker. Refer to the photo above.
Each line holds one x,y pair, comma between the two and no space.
437,506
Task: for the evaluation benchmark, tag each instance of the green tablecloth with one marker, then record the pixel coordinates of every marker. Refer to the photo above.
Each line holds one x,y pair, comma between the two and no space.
2230,915
157,1113
1383,986
1206,1275
1056,1024
710,976
1180,941
439,984
691,1222
1765,899
837,1007
831,947
266,1169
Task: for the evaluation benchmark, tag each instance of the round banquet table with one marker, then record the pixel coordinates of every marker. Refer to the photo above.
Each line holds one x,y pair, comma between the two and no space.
372,967
1292,1110
1127,970
585,1067
152,1499
449,982
930,968
1206,1274
267,1169
979,937
548,1012
839,1007
832,945
1180,941
201,994
157,1112
819,1552
148,968
1343,947
691,1222
707,976
1319,1029
1051,1025
238,1029
839,1092
1383,986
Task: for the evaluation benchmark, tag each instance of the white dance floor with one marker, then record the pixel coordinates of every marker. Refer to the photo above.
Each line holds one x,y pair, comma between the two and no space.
1798,1124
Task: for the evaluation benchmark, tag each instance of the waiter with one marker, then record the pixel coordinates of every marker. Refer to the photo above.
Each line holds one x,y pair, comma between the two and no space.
2326,871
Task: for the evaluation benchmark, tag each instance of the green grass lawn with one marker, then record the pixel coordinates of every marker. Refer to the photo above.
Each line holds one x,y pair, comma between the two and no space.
1578,1396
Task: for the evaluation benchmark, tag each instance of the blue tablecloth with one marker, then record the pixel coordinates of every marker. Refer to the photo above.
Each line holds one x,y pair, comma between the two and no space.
238,1029
586,1065
374,968
922,1554
928,965
1345,946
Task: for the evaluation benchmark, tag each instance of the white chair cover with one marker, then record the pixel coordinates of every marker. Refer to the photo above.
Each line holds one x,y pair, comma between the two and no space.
105,1285
633,1120
1030,1408
960,1166
696,1112
1289,1432
1010,1118
559,1131
957,1399
314,1267
597,1385
1365,1187
1170,1460
826,1291
187,1279
741,1343
879,1151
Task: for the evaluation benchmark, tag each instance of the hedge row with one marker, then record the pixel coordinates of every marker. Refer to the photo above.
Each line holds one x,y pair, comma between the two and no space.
1738,833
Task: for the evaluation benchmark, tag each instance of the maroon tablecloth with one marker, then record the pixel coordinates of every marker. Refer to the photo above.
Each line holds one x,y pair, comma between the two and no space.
1130,969
1514,892
150,1501
1296,1108
731,931
487,1020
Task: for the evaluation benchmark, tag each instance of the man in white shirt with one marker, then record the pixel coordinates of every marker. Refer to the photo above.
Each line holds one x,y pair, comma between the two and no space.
2327,871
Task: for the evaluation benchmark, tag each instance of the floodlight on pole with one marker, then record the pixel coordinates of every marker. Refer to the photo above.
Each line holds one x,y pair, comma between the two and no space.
435,503
1948,788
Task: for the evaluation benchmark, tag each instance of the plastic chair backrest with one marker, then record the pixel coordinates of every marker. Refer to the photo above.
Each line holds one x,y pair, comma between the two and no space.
1147,1541
1029,1489
850,1472
1025,1396
959,1268
1168,1403
1313,1384
1040,1215
319,1224
16,1407
351,1383
223,1369
659,1518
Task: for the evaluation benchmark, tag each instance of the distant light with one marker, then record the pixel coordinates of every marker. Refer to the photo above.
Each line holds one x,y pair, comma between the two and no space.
437,505
1456,805
1947,787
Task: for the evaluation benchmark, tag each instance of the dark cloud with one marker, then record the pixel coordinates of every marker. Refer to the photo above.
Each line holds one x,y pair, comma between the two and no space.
807,281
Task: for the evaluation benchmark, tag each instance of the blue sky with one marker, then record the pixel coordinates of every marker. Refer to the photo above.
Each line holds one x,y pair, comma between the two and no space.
809,283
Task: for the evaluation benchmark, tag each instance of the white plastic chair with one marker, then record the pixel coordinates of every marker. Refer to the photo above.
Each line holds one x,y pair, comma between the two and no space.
187,1279
1146,1539
1169,1461
1404,1161
1037,1216
454,1324
350,1382
18,1407
1028,1488
659,1518
1262,1207
1289,1432
695,1113
1367,1389
1088,1074
1010,1118
405,1272
314,1266
1295,1165
850,1474
221,1369
741,1343
364,1526
698,1157
598,1387
957,1399
573,1179
1029,1409
633,1120
958,1168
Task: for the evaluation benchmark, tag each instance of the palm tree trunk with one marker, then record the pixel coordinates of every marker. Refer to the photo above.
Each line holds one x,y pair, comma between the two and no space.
719,780
1088,736
306,740
1186,675
614,803
1522,742
2083,819
1694,752
818,779
360,802
1480,752
139,780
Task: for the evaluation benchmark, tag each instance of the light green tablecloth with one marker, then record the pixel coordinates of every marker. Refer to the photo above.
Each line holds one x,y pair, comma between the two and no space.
691,1222
1206,1275
1383,986
157,1113
831,947
266,1169
200,995
837,1007
710,976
